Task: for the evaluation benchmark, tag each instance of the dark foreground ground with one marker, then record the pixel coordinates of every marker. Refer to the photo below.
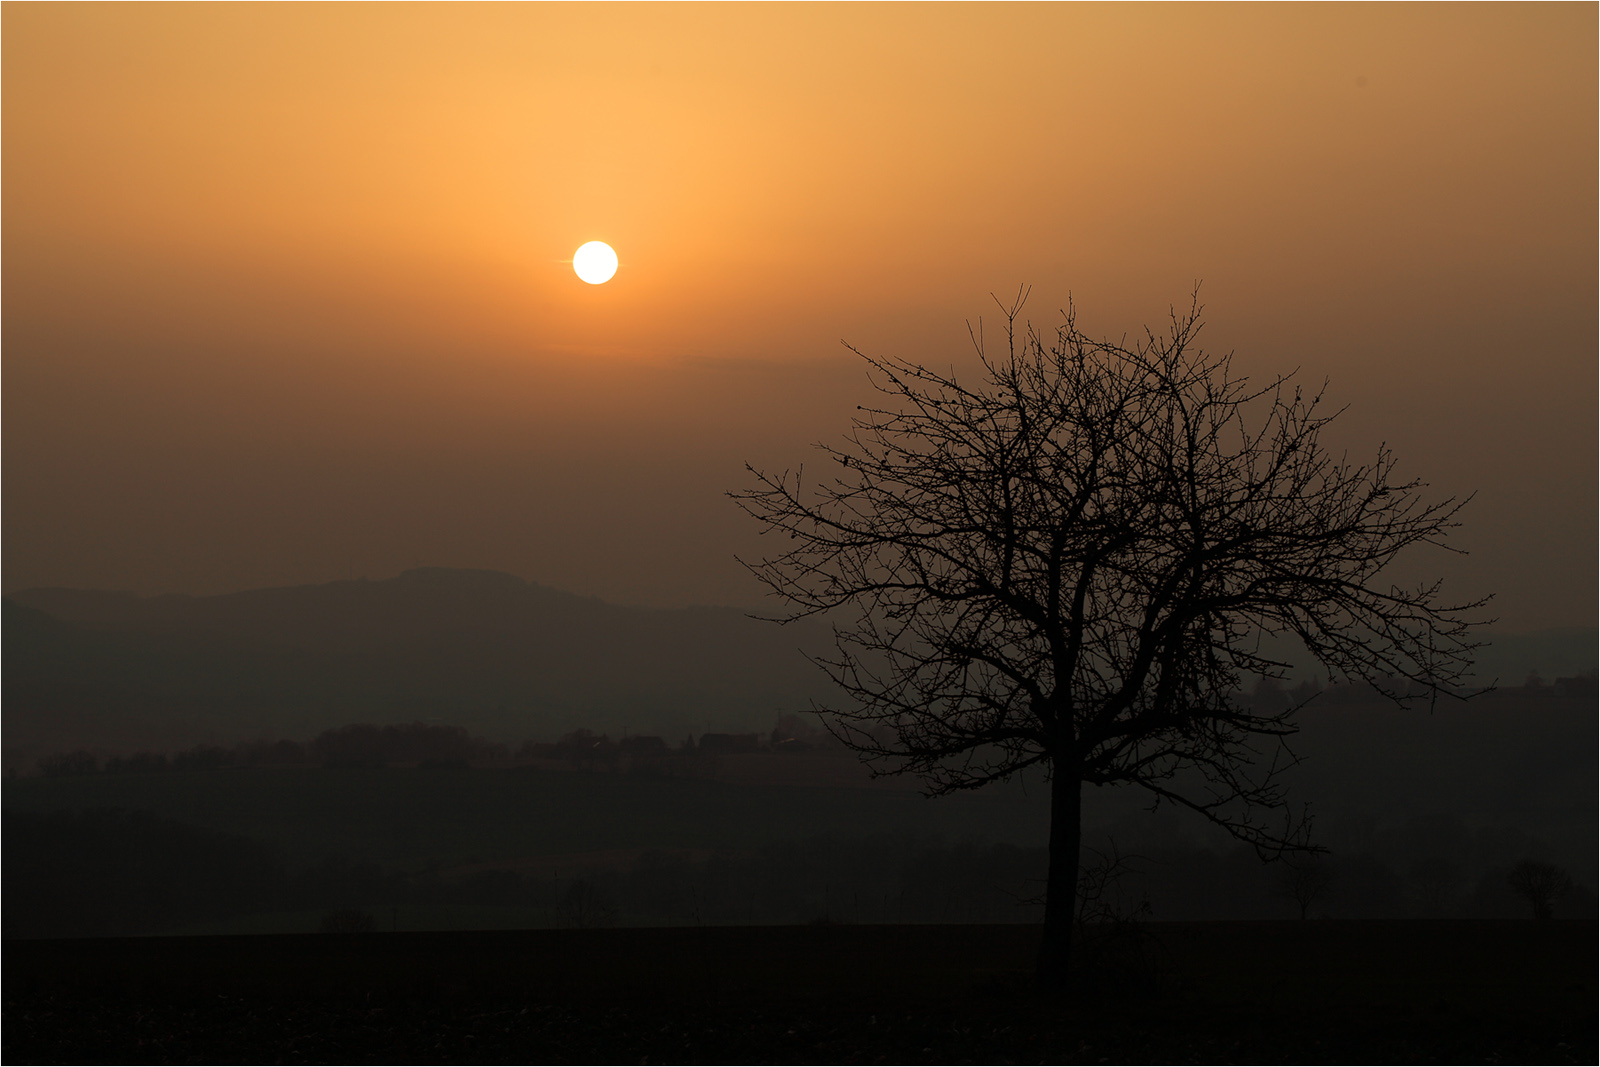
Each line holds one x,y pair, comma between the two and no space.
1309,992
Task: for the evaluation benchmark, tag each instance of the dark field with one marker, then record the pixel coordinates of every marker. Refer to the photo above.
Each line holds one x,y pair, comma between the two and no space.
772,839
408,818
1314,992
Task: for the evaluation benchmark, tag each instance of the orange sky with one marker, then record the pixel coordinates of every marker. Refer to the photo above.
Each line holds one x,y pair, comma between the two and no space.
287,295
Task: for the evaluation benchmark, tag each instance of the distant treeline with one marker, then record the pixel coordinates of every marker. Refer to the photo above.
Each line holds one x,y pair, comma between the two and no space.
427,745
357,745
1269,691
101,872
108,872
439,746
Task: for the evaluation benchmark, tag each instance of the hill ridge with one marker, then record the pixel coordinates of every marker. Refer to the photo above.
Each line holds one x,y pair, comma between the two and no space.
489,651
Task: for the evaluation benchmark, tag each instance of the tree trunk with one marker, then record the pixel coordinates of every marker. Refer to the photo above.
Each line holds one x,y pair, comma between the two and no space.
1061,885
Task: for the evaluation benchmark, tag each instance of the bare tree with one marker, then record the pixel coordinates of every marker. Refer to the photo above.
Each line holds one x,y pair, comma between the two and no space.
1302,880
1540,884
1073,563
586,906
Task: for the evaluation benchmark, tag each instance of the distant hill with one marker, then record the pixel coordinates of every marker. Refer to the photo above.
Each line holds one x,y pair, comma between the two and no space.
506,658
480,649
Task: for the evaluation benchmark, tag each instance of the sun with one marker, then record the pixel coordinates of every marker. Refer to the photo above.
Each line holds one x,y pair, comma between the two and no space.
595,262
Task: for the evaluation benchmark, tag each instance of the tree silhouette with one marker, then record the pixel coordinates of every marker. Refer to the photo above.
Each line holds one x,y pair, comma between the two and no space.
1302,881
1540,884
1073,565
585,906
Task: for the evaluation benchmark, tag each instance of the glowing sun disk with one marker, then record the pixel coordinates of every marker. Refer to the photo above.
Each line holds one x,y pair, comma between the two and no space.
595,262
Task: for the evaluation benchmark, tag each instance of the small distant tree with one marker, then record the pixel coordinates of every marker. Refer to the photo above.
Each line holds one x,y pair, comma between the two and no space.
1303,880
1072,564
1540,884
586,906
348,921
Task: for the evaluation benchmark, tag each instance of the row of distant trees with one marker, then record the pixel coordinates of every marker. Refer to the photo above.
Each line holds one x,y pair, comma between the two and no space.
107,873
433,746
429,745
1437,886
419,744
587,749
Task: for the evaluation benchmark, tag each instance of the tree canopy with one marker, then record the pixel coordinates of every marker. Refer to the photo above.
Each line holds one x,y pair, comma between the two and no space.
1080,561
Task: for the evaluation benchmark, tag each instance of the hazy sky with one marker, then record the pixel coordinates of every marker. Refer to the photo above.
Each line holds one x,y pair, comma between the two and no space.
287,292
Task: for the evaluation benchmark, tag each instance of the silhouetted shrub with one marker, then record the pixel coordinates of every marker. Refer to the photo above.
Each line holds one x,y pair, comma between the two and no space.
585,906
347,921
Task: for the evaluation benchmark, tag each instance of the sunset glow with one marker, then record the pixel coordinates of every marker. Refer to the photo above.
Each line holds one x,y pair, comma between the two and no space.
261,267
